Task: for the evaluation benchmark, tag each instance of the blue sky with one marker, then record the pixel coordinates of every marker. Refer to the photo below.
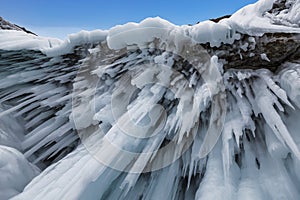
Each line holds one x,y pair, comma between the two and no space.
57,18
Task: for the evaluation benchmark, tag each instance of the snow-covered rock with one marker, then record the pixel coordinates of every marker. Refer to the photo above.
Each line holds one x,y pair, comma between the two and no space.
5,25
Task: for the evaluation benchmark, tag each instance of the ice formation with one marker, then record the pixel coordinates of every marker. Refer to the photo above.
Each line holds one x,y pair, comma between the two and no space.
152,110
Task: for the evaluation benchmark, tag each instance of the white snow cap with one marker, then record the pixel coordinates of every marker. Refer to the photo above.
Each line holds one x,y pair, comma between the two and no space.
138,33
82,37
251,20
15,40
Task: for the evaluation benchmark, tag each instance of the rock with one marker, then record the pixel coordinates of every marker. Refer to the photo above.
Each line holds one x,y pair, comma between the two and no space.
5,25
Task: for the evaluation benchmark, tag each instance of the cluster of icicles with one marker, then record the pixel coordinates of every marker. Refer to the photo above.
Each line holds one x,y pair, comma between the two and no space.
256,155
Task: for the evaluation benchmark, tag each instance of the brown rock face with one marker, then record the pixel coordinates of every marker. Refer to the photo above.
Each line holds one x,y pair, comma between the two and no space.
268,51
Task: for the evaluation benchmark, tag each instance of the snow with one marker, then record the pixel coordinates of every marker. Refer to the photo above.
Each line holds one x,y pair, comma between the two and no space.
289,16
76,39
138,33
147,30
15,40
251,20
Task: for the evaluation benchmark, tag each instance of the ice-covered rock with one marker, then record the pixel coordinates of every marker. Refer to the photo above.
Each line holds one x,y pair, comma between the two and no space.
153,110
16,172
